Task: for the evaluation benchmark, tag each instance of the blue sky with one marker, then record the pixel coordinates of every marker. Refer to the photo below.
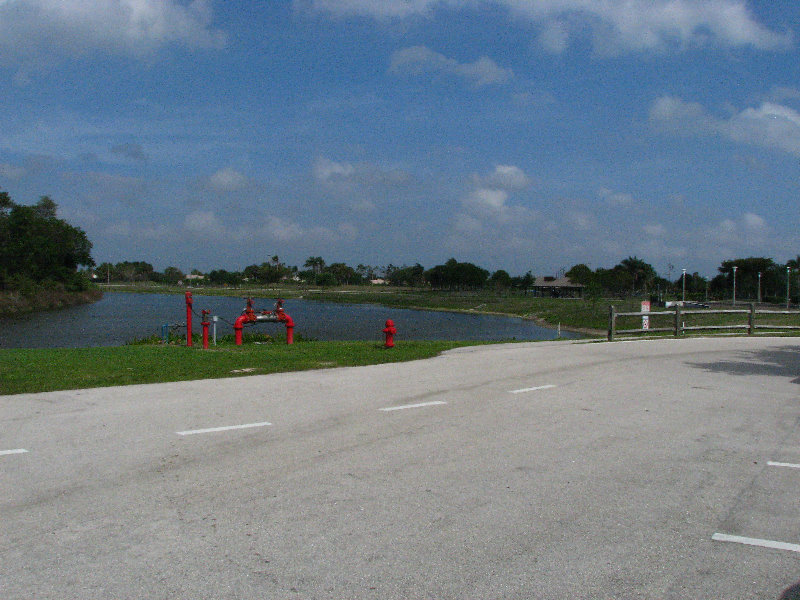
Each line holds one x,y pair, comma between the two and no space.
516,134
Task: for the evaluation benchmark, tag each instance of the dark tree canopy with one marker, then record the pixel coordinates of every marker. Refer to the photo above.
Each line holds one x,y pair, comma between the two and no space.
37,246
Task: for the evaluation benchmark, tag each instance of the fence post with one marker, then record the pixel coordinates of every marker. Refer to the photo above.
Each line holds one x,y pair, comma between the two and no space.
612,323
678,328
752,323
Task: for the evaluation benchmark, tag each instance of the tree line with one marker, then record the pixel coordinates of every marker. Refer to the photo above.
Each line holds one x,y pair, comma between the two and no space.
631,277
36,246
756,278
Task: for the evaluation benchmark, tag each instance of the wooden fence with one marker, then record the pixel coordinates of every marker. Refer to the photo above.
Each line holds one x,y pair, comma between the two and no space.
678,327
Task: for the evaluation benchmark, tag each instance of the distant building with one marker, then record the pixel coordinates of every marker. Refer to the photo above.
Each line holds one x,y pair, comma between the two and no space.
195,276
552,287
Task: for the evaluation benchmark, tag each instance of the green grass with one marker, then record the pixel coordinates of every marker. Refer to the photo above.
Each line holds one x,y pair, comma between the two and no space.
50,369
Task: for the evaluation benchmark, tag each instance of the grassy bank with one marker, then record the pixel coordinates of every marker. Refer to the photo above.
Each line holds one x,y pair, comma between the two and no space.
47,369
14,303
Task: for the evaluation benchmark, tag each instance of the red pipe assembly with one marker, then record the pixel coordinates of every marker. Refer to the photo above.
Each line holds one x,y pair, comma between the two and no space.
278,315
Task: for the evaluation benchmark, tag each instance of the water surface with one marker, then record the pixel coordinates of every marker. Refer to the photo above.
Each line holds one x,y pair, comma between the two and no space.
120,317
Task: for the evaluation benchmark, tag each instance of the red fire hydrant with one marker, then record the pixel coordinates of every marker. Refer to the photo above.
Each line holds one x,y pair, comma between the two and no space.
389,331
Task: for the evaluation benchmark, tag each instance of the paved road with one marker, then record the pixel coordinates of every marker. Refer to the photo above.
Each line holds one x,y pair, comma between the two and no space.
550,470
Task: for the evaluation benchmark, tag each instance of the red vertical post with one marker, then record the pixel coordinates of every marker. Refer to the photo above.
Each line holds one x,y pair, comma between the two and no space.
188,318
290,331
205,325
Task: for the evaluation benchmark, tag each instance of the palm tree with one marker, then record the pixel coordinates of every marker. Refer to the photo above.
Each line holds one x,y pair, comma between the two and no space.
315,263
639,271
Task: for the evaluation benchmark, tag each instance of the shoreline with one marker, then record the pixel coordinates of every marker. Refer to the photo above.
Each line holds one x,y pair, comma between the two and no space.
15,304
380,297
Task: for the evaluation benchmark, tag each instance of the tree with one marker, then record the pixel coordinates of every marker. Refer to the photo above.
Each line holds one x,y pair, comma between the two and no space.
454,274
500,279
640,272
173,275
581,274
411,276
315,263
343,274
38,246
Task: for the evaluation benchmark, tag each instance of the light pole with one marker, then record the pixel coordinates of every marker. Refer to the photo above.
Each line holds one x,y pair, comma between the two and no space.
759,287
788,270
734,285
683,277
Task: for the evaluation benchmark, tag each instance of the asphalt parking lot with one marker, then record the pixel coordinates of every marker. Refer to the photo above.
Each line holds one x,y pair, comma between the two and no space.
653,469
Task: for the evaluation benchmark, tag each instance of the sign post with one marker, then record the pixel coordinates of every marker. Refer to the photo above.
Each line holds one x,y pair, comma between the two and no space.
645,318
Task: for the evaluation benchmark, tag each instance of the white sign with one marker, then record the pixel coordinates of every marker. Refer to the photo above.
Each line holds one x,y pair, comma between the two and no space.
645,318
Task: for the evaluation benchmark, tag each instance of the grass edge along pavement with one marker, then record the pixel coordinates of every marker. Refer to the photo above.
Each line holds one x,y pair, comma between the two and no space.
33,370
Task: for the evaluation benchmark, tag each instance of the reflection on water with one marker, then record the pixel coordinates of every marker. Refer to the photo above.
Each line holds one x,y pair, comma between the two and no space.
121,317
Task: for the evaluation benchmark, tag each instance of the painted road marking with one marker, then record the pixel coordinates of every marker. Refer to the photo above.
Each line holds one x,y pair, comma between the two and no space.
532,389
15,451
419,405
228,428
780,464
737,539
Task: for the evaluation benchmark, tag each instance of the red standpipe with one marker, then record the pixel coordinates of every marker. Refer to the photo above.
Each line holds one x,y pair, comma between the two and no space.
188,318
238,325
289,322
205,325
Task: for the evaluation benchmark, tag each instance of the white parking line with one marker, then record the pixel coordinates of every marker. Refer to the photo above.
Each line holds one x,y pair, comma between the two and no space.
419,405
531,389
15,451
228,428
737,539
780,464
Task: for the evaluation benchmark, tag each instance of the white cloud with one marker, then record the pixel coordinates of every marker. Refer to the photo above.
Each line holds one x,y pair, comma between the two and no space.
282,230
740,234
655,230
379,9
228,180
505,177
419,60
770,125
754,223
38,33
580,220
326,169
616,198
669,109
487,201
616,25
204,223
554,37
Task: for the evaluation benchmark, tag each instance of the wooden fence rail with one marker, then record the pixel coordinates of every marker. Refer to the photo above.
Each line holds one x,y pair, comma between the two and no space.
678,326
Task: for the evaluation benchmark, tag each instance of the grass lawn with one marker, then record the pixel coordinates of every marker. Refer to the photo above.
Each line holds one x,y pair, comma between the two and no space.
50,369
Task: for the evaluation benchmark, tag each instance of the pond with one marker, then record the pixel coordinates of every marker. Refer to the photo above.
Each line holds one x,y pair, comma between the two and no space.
121,317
